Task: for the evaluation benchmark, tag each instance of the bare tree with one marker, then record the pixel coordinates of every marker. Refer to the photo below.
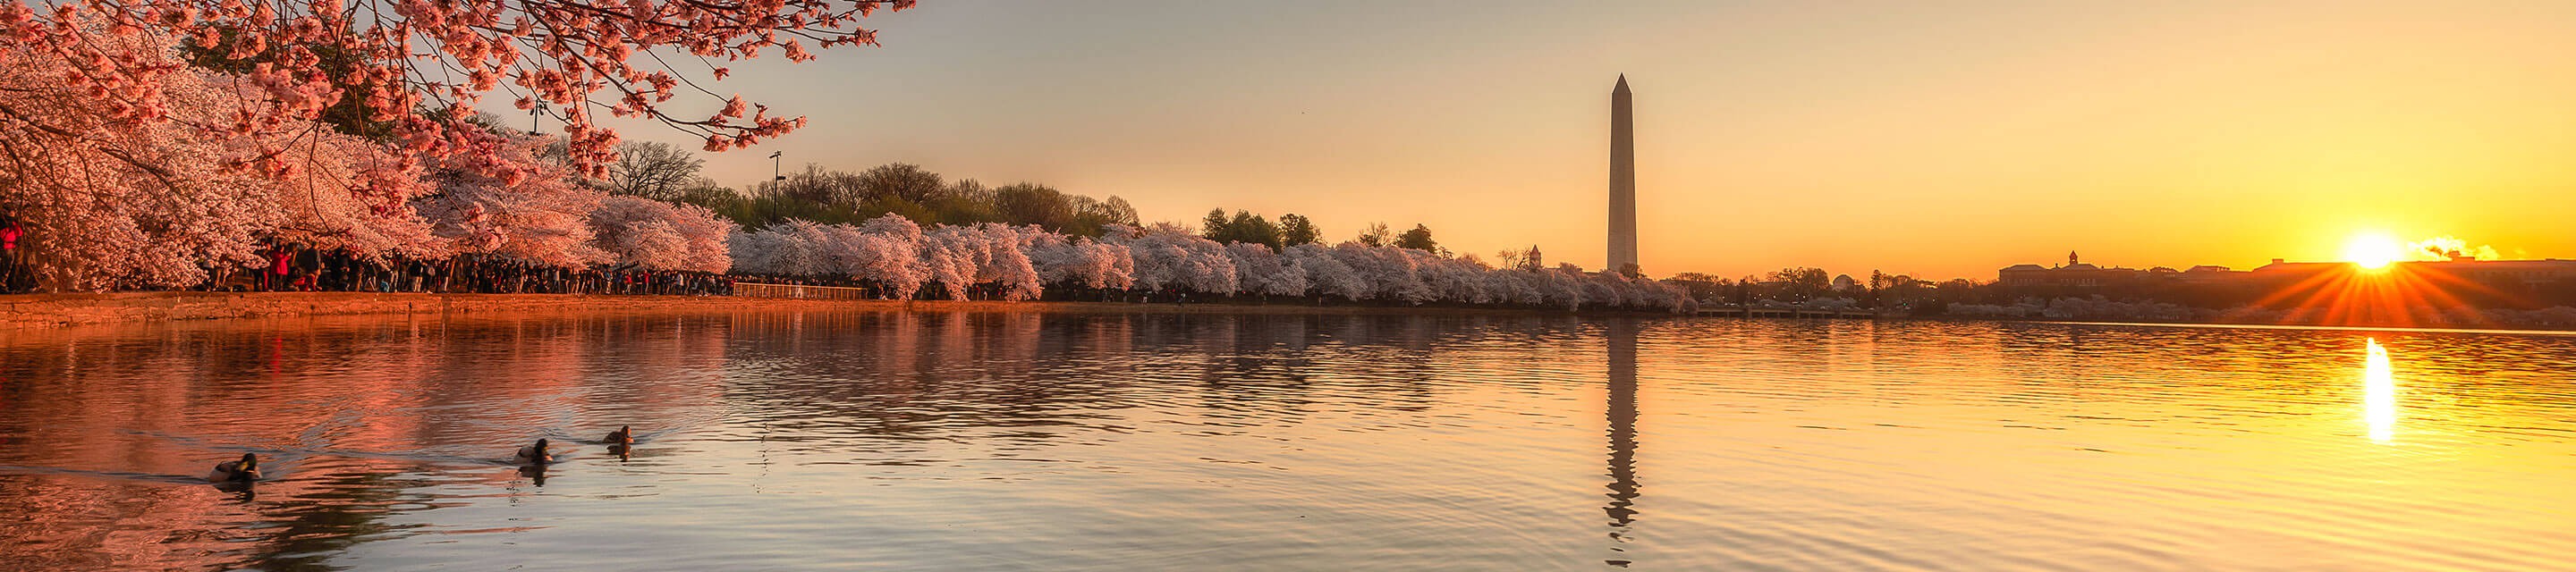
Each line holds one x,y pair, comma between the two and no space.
1376,235
898,180
653,170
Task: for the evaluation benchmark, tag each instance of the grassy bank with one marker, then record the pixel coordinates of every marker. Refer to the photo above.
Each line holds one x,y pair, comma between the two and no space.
54,310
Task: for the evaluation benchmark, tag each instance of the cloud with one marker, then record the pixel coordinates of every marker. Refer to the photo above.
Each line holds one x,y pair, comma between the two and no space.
2447,247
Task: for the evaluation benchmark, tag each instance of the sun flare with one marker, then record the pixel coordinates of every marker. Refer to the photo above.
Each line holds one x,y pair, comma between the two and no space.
2373,251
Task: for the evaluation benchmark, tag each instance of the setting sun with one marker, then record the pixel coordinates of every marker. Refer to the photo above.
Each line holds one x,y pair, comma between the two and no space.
2373,251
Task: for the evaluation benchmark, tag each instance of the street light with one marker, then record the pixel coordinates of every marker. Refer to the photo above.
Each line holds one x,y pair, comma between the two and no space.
773,166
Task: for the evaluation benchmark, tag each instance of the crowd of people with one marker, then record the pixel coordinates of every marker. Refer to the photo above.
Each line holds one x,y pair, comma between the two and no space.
293,269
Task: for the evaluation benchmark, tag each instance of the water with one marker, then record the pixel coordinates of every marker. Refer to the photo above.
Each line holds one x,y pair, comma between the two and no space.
1000,441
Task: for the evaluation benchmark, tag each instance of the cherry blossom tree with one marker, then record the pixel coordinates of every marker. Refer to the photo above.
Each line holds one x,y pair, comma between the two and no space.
109,201
345,193
1261,270
1388,272
1171,257
658,236
1008,266
949,263
1077,261
387,58
505,203
897,266
1325,274
156,189
1519,287
1454,280
962,256
755,253
706,232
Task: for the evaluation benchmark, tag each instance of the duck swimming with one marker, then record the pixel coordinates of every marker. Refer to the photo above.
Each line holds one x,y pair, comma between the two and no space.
244,470
533,454
624,435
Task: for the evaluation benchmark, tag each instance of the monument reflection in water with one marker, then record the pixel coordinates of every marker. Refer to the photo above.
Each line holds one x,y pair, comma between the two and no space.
1031,440
1622,340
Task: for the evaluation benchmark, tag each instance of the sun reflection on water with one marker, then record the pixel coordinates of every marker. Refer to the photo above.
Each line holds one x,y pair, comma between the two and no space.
2379,395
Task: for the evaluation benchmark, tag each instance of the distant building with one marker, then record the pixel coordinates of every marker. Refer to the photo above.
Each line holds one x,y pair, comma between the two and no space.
1845,283
2496,274
2023,274
2075,273
2207,274
2528,272
2457,270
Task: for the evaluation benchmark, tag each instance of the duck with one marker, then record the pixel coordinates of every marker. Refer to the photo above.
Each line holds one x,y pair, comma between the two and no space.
244,470
533,454
624,435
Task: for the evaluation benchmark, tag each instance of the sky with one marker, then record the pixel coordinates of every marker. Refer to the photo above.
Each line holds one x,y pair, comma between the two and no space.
1937,139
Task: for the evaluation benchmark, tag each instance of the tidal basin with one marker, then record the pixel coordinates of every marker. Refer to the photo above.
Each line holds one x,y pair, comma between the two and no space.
1031,440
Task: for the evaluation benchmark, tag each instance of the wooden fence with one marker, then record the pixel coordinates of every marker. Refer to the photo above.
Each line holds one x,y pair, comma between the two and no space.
759,290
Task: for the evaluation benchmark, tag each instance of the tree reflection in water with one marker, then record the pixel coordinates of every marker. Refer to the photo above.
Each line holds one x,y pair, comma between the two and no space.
357,421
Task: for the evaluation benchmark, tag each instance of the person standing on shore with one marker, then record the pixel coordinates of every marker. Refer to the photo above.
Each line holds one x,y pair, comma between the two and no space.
9,234
275,279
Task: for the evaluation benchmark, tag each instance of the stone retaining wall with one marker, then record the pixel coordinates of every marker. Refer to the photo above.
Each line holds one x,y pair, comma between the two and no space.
46,310
53,310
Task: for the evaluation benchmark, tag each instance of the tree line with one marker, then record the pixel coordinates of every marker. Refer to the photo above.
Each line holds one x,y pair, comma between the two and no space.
664,172
896,258
209,144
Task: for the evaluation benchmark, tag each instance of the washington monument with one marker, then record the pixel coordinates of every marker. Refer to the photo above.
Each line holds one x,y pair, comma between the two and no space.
1623,182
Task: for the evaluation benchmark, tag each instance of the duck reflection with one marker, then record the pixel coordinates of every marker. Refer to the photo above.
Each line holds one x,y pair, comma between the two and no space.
244,491
1623,434
2379,395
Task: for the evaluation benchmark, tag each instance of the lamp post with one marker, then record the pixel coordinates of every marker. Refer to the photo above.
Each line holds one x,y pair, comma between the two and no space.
774,175
533,112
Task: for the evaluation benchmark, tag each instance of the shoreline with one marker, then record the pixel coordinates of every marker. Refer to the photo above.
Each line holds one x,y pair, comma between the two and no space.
43,311
32,311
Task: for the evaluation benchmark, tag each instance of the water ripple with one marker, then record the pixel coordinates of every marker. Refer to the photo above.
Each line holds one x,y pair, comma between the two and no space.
1032,440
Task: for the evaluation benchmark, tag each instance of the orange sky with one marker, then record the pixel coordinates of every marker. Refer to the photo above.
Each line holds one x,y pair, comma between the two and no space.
1940,142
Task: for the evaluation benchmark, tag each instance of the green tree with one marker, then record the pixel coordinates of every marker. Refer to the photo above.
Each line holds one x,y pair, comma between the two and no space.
1031,203
1212,227
1294,230
1090,214
962,210
1418,239
1801,283
1252,229
705,192
897,206
1116,210
1243,227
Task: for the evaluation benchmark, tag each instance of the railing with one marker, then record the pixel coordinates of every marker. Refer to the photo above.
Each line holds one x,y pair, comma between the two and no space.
800,292
1767,311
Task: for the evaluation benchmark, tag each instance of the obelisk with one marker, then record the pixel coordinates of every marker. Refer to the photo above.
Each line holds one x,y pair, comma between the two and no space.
1623,182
